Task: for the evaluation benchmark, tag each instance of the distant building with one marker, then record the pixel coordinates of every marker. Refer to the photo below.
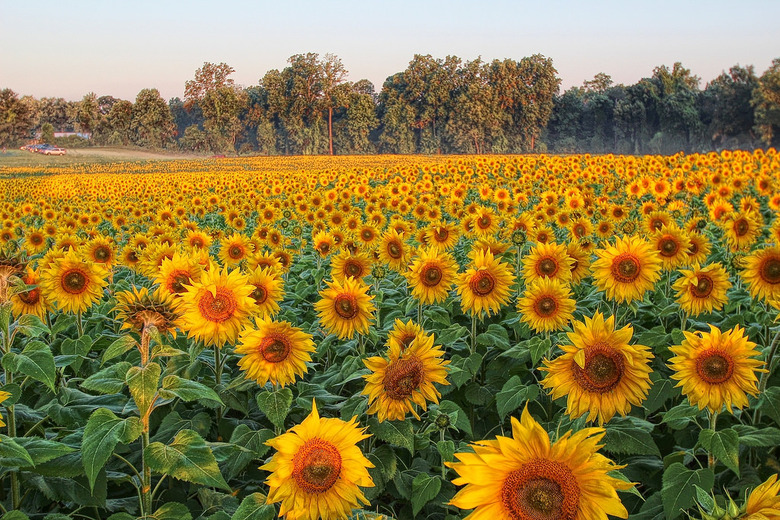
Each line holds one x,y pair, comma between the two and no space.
83,135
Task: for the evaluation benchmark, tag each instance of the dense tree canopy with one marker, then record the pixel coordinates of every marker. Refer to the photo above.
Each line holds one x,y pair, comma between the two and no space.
435,105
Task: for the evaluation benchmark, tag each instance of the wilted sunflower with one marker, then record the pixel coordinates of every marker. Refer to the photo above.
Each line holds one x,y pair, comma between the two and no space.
762,273
275,351
672,244
702,289
547,261
177,272
73,284
346,264
763,503
599,373
217,306
268,290
626,270
140,309
484,287
716,368
546,305
526,477
345,309
431,275
317,469
32,301
406,378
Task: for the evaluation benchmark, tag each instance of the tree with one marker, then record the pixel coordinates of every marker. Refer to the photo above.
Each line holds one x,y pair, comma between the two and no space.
55,111
600,83
15,118
151,123
766,102
120,120
86,114
333,76
730,95
47,133
207,78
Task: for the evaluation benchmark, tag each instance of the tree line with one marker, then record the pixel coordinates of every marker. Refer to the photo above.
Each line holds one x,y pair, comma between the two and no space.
433,106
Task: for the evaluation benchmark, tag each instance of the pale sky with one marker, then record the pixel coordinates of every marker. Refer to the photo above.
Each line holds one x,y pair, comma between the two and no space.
55,48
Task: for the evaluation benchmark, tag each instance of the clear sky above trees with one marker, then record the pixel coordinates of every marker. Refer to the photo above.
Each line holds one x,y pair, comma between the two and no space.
122,48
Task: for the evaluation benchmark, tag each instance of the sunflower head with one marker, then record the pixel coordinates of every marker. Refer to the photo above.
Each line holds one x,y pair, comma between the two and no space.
140,309
431,275
547,305
627,270
72,283
484,287
346,309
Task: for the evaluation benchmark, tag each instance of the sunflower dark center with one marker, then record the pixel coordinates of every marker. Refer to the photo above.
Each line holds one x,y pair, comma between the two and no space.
259,294
547,267
625,268
669,247
236,252
316,466
275,348
36,239
541,490
546,306
353,269
30,297
715,366
703,286
602,371
406,340
770,270
431,275
346,306
75,281
441,234
741,227
482,283
402,377
217,309
484,222
178,280
324,248
394,250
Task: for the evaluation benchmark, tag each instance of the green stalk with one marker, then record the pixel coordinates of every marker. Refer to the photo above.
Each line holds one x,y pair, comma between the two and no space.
473,333
713,423
146,474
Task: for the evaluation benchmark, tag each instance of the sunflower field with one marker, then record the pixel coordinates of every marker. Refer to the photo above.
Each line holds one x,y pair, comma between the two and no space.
486,337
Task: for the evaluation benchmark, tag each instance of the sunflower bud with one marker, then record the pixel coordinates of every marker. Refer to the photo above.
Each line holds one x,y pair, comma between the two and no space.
519,237
443,421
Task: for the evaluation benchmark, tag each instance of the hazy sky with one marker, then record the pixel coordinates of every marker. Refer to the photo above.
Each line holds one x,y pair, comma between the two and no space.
113,47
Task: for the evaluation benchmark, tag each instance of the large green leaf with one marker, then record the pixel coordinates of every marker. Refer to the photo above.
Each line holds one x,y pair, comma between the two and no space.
12,454
43,450
172,511
143,382
275,404
254,507
30,325
723,445
110,380
513,395
424,489
187,390
103,432
630,436
35,360
186,458
397,433
678,491
121,345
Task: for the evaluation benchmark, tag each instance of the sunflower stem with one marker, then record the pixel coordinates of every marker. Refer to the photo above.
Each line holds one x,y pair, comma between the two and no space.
443,467
11,424
713,424
218,361
79,324
473,334
146,473
419,314
361,346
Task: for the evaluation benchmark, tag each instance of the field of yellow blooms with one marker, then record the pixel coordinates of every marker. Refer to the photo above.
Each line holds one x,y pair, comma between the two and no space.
502,337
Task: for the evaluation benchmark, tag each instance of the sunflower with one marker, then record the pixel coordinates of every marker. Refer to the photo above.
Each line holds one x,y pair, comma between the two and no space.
73,284
140,309
100,250
742,229
346,264
672,244
268,290
266,259
485,222
702,289
546,305
32,301
3,396
198,240
323,243
176,272
402,334
715,368
698,250
484,287
217,306
275,351
599,373
35,241
153,256
442,234
527,477
763,503
581,261
345,309
234,249
393,250
317,469
626,270
406,378
431,275
547,261
762,273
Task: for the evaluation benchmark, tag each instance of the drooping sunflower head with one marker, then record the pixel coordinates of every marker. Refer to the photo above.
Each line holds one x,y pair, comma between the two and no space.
217,306
317,470
72,283
274,351
431,275
627,270
30,301
599,372
345,309
485,286
702,289
716,368
140,309
177,272
547,305
268,290
526,477
548,260
406,378
761,270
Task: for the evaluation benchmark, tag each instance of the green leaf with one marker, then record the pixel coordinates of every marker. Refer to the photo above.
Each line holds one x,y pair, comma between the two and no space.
724,445
43,450
757,438
680,416
103,432
630,436
513,394
495,336
424,489
538,347
121,345
14,515
464,369
186,458
12,454
110,380
31,326
769,403
63,323
254,507
447,450
275,404
188,390
383,458
79,349
166,351
36,361
678,491
662,390
172,511
461,419
143,382
397,433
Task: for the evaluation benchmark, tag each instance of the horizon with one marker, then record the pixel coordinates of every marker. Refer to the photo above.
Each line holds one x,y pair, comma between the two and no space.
161,46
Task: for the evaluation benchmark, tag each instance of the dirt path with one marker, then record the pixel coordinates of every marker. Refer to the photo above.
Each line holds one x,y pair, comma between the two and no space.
122,154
